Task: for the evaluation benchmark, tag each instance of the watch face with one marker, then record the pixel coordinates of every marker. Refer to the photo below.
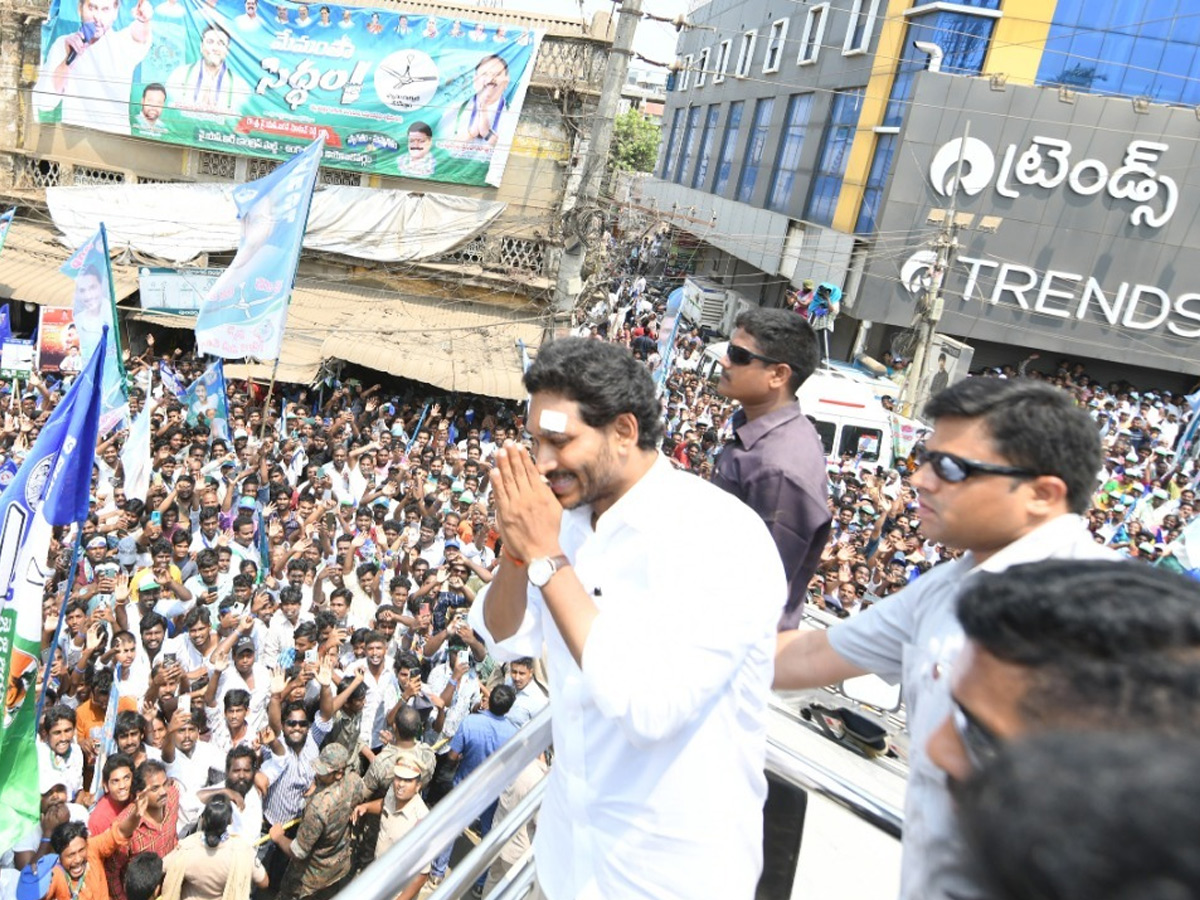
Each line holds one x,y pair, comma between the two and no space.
540,571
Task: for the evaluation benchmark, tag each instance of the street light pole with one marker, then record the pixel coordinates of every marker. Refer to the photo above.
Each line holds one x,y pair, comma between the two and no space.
593,159
932,302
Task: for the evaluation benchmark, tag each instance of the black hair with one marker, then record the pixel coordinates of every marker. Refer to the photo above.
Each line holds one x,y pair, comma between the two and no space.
407,660
374,637
143,772
290,594
128,720
604,379
62,835
160,545
784,336
194,615
526,661
153,86
407,724
115,762
237,697
144,875
1103,641
1130,803
305,629
100,681
502,699
241,750
1032,425
56,714
214,821
150,620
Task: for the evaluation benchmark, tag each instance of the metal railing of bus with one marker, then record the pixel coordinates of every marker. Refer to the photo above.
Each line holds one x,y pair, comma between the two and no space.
386,876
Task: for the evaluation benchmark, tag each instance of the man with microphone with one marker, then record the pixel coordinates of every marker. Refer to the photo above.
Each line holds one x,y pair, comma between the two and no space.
88,74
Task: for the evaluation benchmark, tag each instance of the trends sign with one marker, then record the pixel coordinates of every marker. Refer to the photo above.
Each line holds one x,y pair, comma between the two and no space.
1076,242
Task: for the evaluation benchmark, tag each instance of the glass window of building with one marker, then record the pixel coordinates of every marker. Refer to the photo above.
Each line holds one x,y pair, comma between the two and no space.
775,43
833,155
722,65
688,142
860,26
814,33
881,167
746,53
685,77
1148,49
671,147
787,159
707,139
755,146
702,67
729,143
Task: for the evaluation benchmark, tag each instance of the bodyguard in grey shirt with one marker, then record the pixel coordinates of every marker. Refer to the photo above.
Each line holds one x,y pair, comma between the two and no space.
1010,466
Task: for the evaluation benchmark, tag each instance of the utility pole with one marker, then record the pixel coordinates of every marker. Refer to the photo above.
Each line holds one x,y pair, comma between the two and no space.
593,159
932,302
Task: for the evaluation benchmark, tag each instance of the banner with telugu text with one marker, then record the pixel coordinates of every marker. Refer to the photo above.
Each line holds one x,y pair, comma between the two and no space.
417,96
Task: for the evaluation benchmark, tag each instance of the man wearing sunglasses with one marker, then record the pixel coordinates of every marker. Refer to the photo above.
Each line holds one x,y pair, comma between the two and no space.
1006,475
775,463
1070,645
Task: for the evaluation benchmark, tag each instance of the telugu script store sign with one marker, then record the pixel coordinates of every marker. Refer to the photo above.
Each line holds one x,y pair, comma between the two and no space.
1091,248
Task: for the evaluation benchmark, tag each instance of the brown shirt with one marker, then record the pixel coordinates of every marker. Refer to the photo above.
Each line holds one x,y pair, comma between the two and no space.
776,466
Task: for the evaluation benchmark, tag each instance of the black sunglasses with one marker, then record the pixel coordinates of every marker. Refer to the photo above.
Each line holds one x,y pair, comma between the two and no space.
954,469
981,744
740,356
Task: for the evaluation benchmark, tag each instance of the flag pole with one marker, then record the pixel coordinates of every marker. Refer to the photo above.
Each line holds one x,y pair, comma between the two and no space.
262,427
62,614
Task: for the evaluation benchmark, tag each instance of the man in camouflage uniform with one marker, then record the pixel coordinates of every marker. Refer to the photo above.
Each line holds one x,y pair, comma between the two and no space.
321,851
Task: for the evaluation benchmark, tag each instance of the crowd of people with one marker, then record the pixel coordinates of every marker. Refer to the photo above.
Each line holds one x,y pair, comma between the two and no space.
264,674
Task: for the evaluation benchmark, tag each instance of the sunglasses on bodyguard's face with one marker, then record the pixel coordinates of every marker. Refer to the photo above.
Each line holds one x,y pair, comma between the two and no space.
954,469
740,356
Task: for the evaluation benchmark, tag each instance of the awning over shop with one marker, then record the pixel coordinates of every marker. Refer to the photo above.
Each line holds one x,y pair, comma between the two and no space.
178,222
458,345
30,263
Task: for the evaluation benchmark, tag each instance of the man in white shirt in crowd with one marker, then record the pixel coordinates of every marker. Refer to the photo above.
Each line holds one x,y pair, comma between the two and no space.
531,698
628,810
1009,469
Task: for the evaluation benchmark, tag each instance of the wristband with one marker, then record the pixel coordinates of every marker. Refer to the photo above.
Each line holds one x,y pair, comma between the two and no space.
454,681
507,555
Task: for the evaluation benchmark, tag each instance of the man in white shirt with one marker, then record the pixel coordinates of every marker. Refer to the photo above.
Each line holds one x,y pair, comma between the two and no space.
1008,470
628,809
531,698
88,74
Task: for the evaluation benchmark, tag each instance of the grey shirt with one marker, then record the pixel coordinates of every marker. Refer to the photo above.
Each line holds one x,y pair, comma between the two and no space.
776,466
914,637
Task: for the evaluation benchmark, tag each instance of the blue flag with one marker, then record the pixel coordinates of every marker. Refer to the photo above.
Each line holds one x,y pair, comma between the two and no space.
52,487
205,399
5,323
95,315
245,310
668,331
171,380
6,219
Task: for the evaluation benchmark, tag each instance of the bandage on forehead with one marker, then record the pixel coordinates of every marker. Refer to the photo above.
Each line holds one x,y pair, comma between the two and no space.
553,420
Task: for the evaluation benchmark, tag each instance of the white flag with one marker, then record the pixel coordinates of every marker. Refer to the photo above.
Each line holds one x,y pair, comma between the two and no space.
135,455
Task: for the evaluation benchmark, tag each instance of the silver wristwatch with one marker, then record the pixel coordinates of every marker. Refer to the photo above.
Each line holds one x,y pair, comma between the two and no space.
542,569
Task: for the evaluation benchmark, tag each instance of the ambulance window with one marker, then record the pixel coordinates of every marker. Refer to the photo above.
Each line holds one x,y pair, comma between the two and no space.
861,442
827,432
